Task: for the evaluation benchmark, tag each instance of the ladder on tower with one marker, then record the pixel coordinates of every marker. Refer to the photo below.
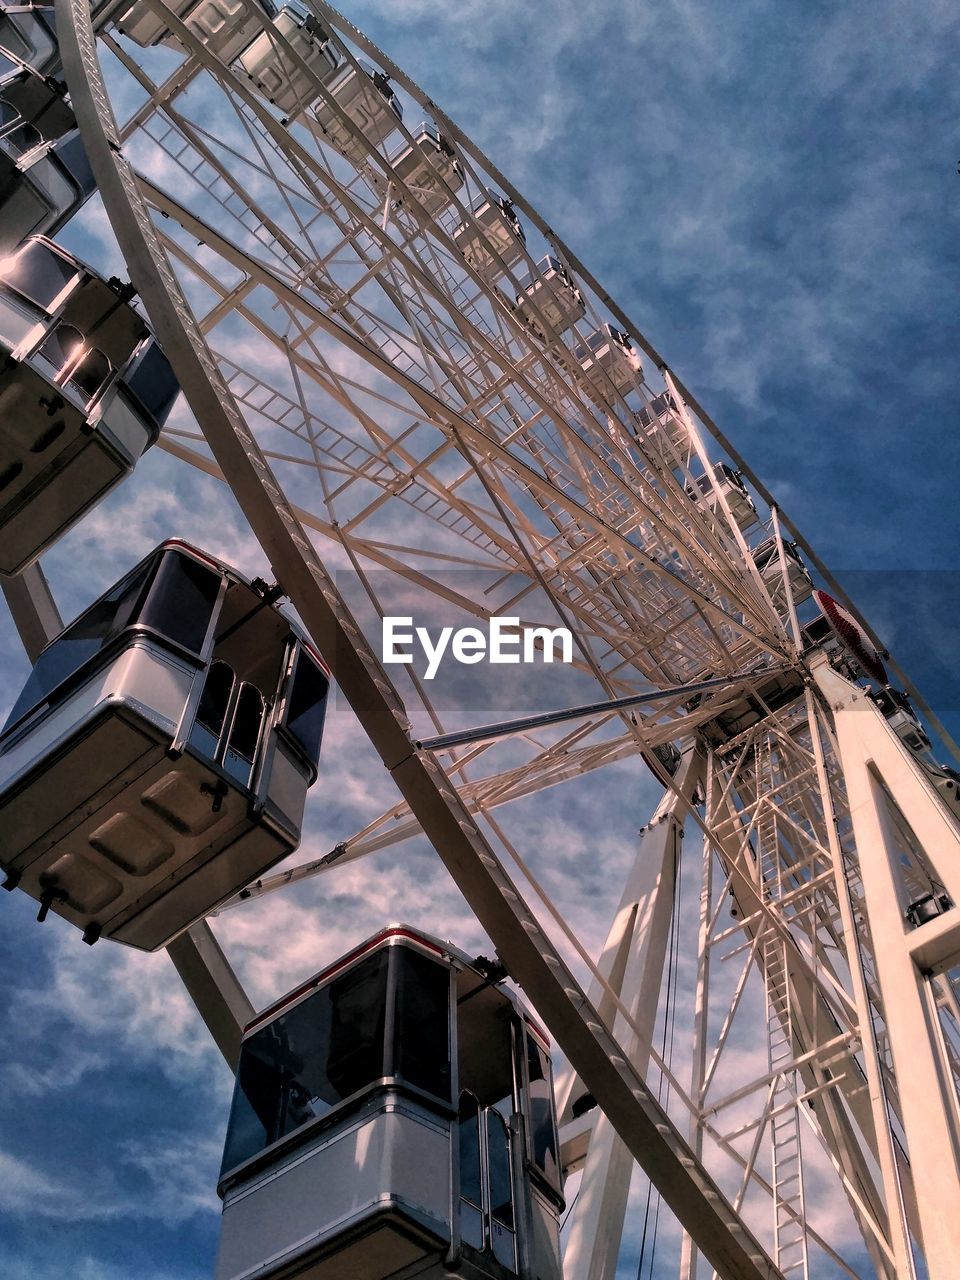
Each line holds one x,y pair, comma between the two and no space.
789,1207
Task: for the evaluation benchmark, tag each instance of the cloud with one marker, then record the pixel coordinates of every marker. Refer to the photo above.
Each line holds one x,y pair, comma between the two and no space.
147,1181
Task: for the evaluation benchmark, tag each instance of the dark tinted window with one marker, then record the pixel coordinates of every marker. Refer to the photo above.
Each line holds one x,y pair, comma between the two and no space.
244,734
307,704
60,345
91,374
212,711
82,641
422,1035
308,1060
498,1162
181,600
542,1126
72,154
39,274
470,1186
153,383
22,138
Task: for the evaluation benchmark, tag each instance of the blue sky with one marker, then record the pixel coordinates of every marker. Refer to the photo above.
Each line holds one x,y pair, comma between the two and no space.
771,192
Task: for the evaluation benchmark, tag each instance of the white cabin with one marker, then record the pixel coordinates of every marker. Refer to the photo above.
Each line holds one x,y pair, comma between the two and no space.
226,27
364,96
609,361
549,298
277,75
159,755
84,390
767,560
492,239
429,168
393,1115
728,483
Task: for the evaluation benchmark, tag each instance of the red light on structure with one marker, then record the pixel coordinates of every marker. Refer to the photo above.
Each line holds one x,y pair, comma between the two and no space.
853,636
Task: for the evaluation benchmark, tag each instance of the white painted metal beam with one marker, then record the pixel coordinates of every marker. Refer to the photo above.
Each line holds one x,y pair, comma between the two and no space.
635,953
877,766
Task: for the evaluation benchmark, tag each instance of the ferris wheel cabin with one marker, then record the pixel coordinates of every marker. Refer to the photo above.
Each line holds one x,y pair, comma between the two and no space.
84,390
159,755
549,297
226,27
493,239
28,34
428,166
767,559
279,77
727,483
660,421
609,361
394,1116
44,173
898,712
366,98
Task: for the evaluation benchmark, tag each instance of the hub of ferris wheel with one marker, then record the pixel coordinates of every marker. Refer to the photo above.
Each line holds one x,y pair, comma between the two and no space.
397,1114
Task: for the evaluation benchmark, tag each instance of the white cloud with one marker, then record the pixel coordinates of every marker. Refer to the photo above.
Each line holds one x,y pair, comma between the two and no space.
172,1185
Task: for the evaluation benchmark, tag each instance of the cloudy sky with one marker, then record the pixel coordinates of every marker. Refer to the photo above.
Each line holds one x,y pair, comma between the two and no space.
771,192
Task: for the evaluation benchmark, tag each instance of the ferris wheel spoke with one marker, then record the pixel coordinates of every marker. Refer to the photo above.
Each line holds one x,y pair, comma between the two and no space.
571,756
195,227
421,282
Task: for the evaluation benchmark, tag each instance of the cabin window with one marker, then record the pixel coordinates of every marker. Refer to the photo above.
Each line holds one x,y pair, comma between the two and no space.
22,138
39,274
90,374
500,1176
422,1035
81,641
487,1219
72,154
241,749
153,382
181,600
541,1124
60,346
86,369
212,711
471,1184
307,704
178,605
307,1061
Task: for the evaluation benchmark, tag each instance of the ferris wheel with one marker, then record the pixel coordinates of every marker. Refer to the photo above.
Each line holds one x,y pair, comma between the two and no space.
423,403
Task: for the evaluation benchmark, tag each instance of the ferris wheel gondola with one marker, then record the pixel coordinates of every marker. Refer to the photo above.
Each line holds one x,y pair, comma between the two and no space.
406,1049
84,391
159,755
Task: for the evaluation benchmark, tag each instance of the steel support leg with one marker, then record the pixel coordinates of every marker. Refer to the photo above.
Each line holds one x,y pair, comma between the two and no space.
634,956
877,766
